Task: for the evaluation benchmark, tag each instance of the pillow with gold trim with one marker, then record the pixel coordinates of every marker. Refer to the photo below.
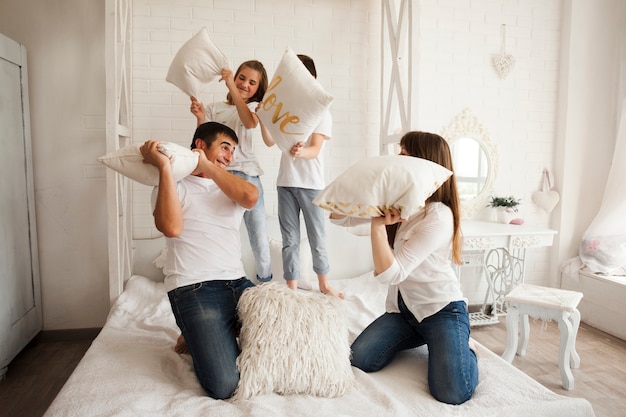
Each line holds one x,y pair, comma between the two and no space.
381,182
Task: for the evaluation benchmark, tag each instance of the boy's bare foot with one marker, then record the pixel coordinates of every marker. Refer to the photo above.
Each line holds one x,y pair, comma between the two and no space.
328,290
181,346
292,284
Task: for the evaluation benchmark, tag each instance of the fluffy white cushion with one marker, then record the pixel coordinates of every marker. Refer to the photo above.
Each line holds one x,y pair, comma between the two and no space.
307,275
128,161
376,183
199,61
293,104
292,343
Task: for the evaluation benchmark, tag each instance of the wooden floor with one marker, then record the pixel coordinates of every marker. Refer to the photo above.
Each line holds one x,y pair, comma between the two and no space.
40,370
601,378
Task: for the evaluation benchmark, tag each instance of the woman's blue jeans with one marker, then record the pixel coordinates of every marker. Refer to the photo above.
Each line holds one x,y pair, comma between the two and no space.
452,365
256,226
206,314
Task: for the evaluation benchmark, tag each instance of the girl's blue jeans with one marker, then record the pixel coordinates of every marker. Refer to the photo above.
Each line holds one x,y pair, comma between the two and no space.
206,314
256,226
292,200
452,365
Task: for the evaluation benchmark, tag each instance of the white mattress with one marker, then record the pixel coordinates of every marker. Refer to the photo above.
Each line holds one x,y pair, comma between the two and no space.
131,370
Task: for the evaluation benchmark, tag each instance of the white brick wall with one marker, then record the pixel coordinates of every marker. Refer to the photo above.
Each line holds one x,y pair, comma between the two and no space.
341,36
456,43
456,40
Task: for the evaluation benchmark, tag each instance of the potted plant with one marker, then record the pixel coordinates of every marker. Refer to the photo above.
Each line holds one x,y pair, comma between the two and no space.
506,207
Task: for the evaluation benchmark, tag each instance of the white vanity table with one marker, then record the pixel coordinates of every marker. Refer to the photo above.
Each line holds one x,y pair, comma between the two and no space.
500,250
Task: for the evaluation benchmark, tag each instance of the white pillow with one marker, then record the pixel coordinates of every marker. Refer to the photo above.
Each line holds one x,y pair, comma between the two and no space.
307,275
292,343
128,161
293,104
199,61
376,183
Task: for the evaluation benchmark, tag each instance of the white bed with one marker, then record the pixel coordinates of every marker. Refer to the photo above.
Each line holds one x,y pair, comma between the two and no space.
131,370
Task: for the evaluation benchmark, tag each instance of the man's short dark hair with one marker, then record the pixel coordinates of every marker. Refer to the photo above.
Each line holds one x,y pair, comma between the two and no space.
208,133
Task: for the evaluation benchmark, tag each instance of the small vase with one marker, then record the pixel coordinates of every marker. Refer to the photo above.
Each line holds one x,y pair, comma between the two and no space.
505,215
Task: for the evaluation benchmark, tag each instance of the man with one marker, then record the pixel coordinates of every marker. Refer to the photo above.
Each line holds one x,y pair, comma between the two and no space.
200,217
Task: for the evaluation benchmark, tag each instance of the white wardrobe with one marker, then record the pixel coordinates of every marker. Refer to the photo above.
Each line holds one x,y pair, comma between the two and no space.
20,299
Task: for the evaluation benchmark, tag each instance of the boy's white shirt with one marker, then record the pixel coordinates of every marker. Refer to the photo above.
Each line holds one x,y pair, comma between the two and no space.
306,173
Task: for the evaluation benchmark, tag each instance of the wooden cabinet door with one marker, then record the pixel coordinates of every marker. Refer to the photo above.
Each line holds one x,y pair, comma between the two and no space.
20,301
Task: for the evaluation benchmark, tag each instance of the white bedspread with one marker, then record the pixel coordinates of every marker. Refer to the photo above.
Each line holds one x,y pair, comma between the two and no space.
131,370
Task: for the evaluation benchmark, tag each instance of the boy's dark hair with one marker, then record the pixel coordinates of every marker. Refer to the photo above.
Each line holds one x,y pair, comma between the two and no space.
309,64
208,133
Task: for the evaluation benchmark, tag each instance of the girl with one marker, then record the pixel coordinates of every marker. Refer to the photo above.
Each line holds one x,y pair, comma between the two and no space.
245,90
424,304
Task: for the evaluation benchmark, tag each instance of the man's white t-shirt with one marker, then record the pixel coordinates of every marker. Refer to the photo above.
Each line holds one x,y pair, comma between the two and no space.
209,246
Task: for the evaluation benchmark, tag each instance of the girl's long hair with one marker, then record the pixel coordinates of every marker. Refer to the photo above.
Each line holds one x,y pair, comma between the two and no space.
435,148
263,82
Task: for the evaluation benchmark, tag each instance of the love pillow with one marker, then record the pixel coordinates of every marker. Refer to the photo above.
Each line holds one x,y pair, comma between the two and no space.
293,104
199,61
381,182
128,161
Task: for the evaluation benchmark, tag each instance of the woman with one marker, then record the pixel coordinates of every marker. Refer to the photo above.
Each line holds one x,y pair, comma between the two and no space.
425,304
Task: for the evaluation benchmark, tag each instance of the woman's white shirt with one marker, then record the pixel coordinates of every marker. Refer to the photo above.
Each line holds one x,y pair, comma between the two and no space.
422,270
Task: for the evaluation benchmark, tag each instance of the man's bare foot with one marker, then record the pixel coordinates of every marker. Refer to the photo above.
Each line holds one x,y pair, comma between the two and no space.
472,344
328,290
181,346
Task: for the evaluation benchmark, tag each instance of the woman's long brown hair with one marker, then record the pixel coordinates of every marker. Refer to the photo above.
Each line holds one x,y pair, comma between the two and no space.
435,148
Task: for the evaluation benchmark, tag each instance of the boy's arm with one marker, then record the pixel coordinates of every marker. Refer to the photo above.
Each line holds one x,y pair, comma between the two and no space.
309,152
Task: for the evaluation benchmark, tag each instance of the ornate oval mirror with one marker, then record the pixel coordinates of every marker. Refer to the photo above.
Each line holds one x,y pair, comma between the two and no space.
475,161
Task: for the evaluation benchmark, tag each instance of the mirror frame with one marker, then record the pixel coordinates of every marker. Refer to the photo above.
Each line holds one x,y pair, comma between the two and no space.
466,124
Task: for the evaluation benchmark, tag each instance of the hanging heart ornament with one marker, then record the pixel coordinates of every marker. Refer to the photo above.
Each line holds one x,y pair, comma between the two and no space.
547,199
503,62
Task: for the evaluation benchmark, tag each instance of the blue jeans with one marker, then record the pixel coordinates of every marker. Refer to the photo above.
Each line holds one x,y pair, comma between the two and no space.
206,314
452,365
254,220
291,201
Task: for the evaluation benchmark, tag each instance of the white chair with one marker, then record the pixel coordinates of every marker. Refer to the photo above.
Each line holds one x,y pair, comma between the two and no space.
546,304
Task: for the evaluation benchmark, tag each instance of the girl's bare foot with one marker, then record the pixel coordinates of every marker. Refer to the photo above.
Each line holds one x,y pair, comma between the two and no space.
292,284
181,346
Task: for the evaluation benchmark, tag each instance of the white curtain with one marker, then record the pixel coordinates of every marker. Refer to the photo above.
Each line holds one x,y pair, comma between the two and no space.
603,248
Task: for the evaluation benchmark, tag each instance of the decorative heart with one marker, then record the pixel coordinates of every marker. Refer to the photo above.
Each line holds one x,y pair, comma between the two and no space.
547,200
504,64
